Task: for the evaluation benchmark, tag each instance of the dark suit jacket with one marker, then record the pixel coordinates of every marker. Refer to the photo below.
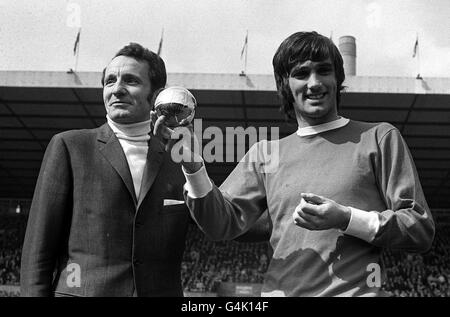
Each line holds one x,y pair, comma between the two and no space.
85,218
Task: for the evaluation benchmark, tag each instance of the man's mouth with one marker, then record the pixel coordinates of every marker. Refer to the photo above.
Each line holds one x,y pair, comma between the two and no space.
119,103
316,96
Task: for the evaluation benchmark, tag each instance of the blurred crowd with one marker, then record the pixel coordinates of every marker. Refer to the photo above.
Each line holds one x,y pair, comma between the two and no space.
206,264
12,232
420,275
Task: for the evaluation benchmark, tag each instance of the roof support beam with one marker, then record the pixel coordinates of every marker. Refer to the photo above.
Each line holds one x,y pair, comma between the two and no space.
409,113
83,105
244,109
42,145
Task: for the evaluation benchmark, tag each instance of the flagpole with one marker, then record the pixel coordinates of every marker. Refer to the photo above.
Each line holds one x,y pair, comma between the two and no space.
160,42
77,49
246,50
78,53
245,47
418,57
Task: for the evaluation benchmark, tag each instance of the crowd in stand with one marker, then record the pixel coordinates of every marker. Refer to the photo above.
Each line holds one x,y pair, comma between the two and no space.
420,275
12,231
206,264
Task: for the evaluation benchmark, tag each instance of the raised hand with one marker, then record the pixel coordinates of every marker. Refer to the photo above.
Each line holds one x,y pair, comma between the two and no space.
161,130
180,142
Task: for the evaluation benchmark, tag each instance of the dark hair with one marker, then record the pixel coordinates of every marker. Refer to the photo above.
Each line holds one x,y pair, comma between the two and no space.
298,48
156,67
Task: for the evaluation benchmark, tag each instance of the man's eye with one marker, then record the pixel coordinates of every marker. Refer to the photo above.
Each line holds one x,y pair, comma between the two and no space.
109,81
300,74
324,71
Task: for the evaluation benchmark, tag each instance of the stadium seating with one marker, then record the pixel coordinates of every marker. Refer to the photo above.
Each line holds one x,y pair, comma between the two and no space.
420,275
206,264
12,231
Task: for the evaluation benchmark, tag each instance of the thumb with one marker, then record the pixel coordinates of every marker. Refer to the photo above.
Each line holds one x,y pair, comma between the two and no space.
161,130
153,119
313,198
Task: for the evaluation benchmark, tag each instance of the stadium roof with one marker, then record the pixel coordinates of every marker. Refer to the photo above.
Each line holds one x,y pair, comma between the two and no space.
35,105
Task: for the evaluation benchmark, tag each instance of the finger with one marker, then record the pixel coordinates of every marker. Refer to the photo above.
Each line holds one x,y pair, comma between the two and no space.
302,211
304,223
295,216
153,118
313,198
311,209
184,130
306,208
305,220
185,122
189,127
160,129
161,120
300,206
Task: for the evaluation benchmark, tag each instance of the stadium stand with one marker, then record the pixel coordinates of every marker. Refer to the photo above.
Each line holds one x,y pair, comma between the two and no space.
420,275
12,231
207,264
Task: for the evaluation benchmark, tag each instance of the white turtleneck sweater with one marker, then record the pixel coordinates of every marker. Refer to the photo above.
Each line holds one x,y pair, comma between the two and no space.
134,139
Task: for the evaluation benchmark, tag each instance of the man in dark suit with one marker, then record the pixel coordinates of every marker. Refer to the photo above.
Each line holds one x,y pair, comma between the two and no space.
108,217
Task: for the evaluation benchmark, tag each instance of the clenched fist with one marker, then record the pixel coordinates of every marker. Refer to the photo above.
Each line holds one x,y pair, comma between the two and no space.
319,213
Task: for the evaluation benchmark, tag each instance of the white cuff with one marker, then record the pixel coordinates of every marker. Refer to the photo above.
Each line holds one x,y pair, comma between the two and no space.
363,224
198,184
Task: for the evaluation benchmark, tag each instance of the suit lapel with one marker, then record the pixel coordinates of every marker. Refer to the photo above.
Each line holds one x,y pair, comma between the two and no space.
155,156
111,149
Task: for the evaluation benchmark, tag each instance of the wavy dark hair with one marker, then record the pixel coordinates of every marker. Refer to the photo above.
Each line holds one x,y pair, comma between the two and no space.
298,48
156,70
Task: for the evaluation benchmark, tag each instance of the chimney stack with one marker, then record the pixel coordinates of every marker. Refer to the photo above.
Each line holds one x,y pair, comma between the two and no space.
347,47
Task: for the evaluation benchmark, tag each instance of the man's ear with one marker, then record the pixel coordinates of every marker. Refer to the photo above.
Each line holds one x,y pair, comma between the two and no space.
152,97
103,77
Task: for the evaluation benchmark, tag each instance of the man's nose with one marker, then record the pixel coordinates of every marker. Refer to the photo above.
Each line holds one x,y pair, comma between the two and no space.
118,88
314,81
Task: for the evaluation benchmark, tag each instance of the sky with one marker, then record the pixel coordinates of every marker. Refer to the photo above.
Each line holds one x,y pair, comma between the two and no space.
207,36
